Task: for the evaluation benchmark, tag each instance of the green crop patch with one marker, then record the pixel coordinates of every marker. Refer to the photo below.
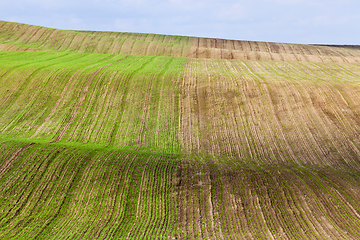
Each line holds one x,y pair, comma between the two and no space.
53,191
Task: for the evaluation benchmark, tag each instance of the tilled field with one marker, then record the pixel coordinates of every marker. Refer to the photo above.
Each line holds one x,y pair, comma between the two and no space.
150,145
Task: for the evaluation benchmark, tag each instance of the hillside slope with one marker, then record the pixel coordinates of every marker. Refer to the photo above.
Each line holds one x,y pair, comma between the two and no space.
101,138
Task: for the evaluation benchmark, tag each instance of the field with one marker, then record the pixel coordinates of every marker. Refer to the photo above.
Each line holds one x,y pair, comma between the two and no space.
107,135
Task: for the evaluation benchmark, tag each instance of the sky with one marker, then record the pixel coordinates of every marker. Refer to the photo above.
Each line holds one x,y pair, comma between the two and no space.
290,21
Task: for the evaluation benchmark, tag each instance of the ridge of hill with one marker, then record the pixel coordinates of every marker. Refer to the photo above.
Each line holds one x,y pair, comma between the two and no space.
16,36
100,145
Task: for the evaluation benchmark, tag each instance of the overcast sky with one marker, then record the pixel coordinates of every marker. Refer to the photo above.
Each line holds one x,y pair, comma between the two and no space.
293,21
